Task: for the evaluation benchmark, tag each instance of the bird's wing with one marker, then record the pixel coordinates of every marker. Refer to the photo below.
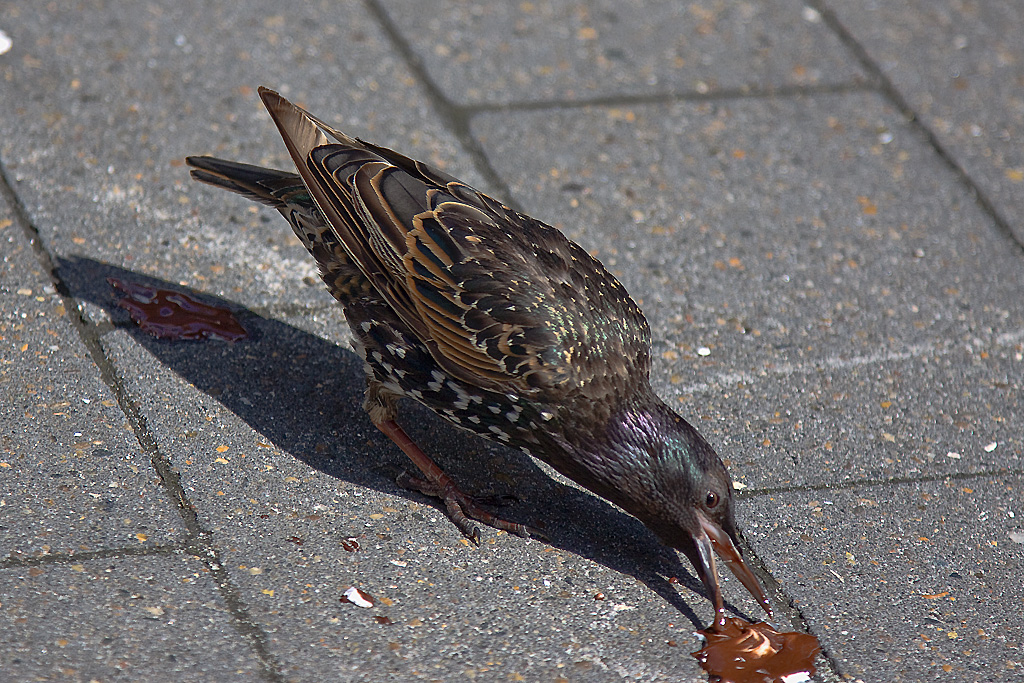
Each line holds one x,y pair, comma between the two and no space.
501,300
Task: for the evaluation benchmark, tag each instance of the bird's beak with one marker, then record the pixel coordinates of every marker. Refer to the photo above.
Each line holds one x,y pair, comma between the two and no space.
714,539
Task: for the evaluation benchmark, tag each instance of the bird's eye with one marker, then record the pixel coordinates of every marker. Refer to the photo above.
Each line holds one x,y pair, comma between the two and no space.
712,499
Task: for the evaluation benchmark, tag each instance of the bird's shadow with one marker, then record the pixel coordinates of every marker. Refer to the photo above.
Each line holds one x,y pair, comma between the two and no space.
301,392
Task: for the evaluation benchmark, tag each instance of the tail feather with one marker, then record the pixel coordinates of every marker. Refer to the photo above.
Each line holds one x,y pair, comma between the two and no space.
264,185
285,192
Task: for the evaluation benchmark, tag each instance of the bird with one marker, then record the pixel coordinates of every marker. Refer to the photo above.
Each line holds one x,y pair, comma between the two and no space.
500,325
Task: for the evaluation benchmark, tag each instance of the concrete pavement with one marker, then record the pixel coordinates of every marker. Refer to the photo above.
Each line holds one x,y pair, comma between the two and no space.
819,205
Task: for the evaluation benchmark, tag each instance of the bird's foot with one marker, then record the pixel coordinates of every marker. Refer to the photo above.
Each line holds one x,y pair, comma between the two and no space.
463,508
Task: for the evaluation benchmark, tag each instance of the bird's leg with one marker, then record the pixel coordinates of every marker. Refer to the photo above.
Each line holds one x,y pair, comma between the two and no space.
461,507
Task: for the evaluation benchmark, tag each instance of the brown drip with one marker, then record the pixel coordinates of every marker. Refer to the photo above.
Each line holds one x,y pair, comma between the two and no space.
741,652
168,314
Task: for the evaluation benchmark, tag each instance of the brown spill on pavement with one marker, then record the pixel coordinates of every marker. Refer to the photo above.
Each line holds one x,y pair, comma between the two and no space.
169,314
741,652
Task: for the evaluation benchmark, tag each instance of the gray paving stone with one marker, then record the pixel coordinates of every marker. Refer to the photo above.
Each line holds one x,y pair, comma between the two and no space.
909,582
795,220
960,67
513,52
924,416
19,267
74,476
127,618
102,103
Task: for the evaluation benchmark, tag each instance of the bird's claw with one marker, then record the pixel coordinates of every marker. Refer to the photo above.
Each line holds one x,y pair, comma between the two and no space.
463,508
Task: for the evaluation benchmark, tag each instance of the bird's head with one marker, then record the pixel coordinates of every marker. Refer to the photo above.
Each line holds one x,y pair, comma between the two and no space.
681,490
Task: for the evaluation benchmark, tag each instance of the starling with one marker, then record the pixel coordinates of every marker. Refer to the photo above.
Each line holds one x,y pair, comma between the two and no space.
499,324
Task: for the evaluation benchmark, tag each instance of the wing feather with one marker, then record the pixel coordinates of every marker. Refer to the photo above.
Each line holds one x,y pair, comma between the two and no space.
499,299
